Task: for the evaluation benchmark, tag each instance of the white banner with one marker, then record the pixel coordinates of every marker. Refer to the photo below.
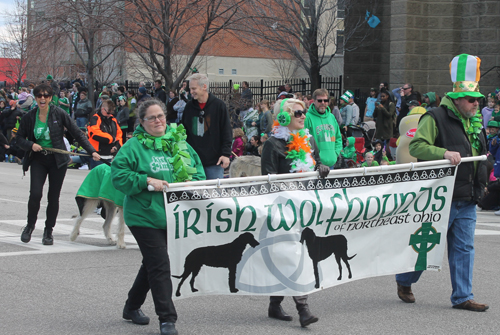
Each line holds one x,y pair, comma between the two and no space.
296,236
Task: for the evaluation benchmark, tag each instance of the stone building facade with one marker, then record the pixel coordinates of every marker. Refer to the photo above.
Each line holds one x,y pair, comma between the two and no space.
417,39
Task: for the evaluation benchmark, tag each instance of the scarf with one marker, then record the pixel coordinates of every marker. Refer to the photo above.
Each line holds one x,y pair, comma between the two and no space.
472,126
299,149
173,143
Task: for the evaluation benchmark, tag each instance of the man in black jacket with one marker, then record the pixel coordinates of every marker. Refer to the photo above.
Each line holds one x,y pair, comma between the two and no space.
452,131
160,92
407,95
208,127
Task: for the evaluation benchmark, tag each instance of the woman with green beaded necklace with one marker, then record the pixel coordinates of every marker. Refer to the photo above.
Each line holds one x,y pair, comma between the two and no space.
156,155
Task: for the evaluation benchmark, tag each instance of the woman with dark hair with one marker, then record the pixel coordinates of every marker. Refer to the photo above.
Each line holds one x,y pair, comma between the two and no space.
41,129
384,114
144,212
253,145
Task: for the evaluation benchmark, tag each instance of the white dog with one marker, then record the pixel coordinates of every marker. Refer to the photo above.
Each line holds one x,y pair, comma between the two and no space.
110,210
97,190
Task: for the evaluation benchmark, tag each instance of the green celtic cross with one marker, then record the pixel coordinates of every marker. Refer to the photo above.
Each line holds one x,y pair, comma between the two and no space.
423,241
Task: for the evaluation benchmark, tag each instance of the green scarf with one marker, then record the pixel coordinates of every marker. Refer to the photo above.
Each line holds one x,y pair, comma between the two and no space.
472,126
174,143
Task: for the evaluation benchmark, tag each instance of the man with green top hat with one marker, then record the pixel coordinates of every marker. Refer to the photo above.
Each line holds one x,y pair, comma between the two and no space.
452,131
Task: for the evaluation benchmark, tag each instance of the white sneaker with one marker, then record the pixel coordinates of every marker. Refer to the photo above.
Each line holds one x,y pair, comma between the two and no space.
83,167
497,213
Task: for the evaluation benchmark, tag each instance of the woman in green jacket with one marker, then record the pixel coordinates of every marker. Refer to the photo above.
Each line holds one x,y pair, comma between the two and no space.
147,159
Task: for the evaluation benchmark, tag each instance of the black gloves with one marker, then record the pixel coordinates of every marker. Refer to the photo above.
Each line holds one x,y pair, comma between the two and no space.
323,171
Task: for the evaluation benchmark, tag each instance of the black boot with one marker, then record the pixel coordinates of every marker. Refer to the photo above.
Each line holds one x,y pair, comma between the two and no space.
277,312
305,317
26,234
47,238
168,328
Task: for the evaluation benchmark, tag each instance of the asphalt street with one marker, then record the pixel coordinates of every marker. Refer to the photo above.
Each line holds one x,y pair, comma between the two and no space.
80,287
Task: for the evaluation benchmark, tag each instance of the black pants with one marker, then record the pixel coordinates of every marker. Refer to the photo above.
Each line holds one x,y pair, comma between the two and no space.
41,167
154,274
300,301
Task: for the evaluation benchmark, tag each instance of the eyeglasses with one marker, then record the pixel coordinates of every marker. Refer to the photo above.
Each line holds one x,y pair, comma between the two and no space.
46,96
322,100
152,119
406,88
299,113
472,100
201,118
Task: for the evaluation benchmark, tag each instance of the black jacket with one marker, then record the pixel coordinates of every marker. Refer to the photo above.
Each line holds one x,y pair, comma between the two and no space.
217,136
58,119
469,184
404,110
9,117
274,159
171,113
162,95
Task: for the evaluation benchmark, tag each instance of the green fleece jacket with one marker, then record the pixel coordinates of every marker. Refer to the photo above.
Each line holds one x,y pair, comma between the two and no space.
326,132
130,169
349,151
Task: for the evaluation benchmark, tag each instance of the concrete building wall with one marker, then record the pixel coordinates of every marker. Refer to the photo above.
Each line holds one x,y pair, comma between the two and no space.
417,39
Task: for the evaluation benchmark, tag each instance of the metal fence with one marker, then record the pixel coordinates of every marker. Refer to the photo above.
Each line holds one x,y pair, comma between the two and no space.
269,89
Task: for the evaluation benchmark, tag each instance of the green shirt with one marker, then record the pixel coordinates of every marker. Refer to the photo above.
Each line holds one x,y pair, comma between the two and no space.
42,131
422,146
64,101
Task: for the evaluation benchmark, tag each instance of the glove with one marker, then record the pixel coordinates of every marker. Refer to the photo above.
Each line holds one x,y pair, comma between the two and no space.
323,171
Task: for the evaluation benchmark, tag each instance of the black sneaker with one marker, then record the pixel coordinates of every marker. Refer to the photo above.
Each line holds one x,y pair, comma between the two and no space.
26,234
136,316
47,238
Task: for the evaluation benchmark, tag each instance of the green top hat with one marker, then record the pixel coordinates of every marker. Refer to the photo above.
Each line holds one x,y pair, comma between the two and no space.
465,75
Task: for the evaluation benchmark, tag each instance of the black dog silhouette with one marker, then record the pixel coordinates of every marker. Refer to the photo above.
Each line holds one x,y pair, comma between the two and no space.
219,256
320,248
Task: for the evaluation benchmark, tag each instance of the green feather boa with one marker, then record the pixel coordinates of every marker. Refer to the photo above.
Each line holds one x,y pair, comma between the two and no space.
174,143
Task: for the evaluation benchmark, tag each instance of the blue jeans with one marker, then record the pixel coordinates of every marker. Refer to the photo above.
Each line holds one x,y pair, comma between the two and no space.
214,172
81,122
460,237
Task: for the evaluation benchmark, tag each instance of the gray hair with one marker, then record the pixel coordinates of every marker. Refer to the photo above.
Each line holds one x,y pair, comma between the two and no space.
143,107
201,78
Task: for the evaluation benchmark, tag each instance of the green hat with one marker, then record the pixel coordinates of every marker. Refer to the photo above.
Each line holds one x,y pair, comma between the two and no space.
465,75
236,86
347,95
493,124
49,77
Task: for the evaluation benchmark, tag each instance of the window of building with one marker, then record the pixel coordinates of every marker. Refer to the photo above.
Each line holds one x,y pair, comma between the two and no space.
340,9
340,42
233,71
221,71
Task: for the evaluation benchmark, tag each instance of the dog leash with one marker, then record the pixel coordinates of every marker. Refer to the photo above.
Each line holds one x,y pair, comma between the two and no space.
60,151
